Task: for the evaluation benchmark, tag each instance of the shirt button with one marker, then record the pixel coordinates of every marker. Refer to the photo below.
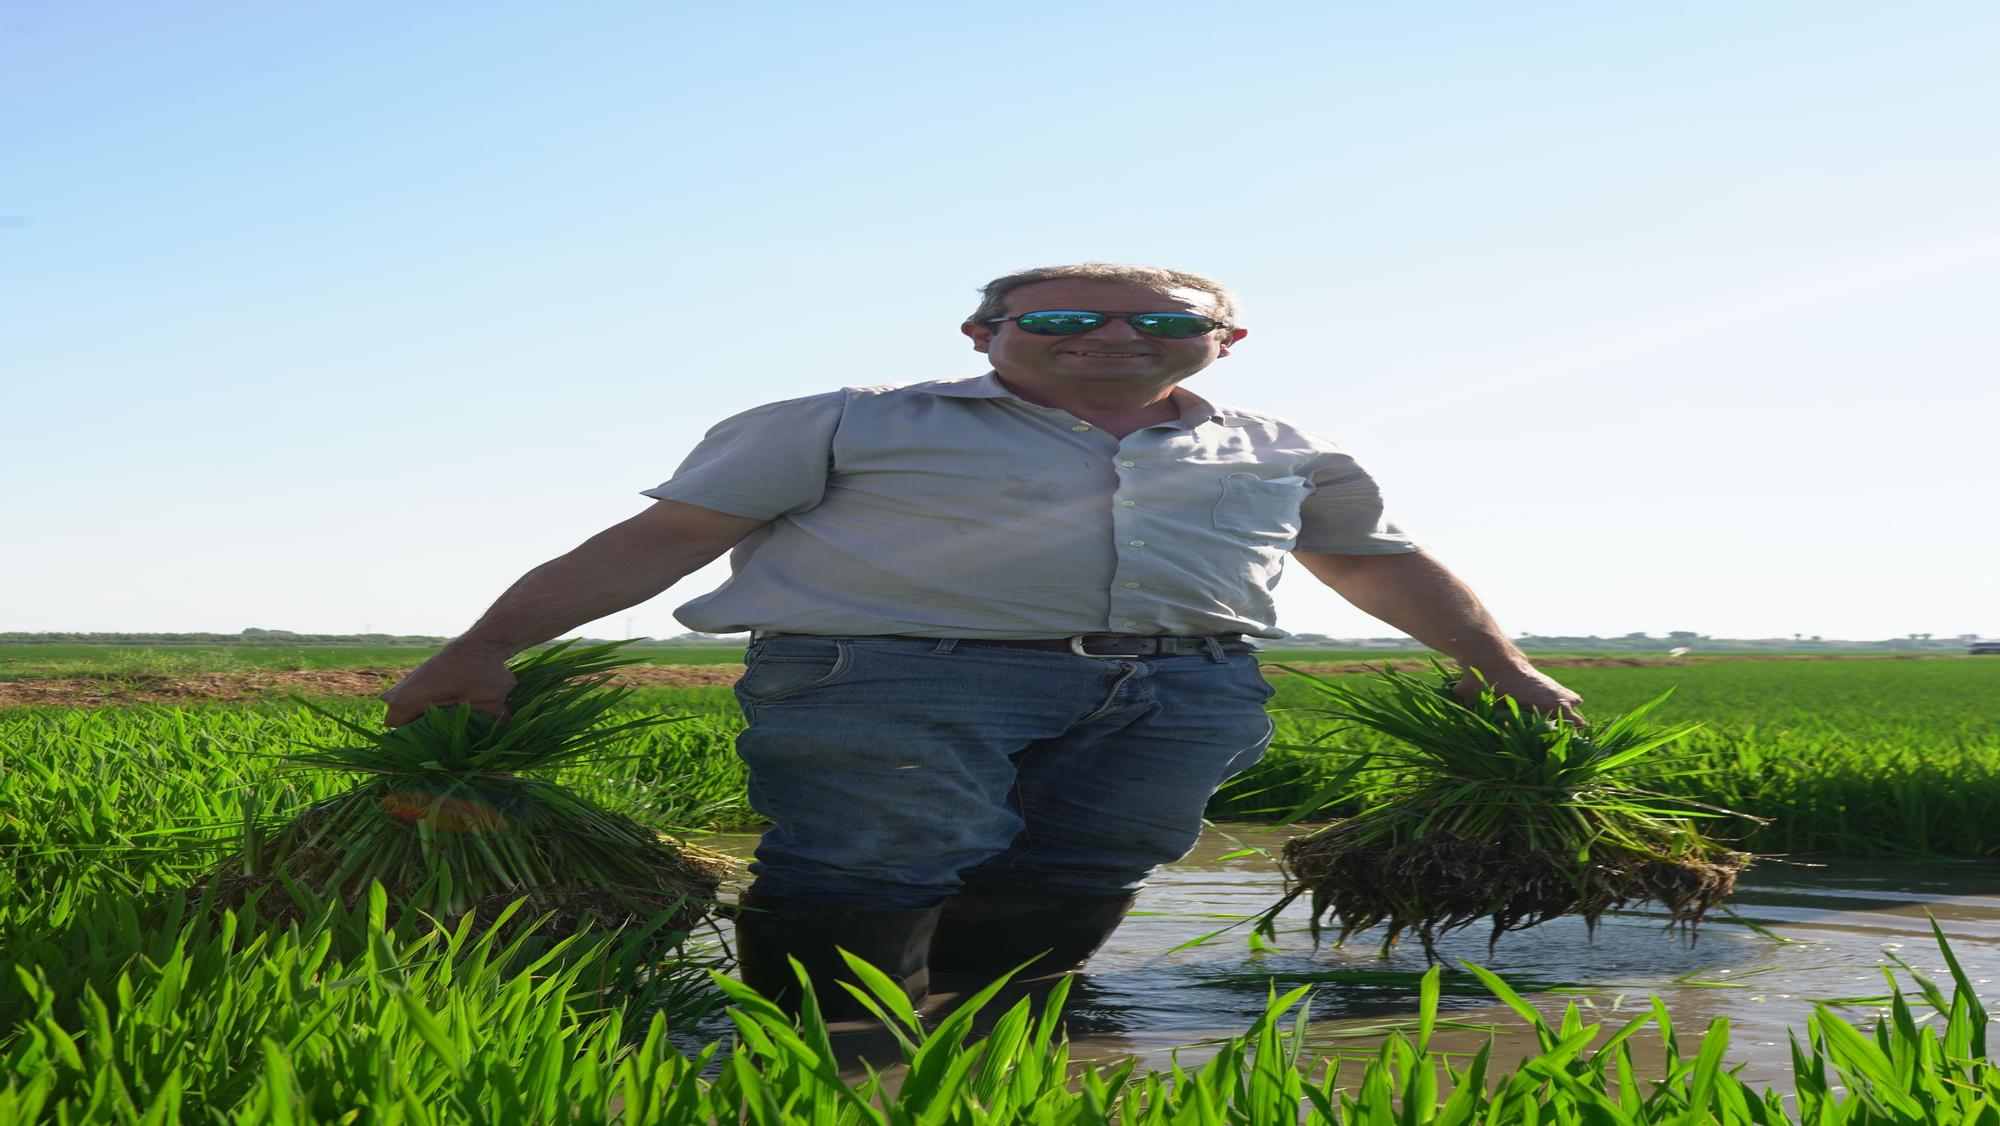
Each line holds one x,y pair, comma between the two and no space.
1128,464
1079,428
1127,503
1135,543
1132,586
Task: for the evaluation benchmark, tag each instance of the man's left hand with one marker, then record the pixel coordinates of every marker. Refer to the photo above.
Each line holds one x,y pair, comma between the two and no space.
1534,691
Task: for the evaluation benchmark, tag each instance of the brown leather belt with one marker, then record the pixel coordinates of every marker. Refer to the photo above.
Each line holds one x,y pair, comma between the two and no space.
1120,645
1085,644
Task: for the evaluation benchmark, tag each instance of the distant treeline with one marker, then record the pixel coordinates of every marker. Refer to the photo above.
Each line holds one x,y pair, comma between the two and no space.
287,637
1644,644
1628,643
247,637
1679,639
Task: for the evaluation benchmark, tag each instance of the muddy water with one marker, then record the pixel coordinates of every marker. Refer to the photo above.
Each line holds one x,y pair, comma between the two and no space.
1140,997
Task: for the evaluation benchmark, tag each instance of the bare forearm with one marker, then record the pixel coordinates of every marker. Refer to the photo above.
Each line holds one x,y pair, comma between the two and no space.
559,596
619,567
1418,595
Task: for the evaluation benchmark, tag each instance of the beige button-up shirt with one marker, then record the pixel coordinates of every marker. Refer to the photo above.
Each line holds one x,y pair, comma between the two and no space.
957,509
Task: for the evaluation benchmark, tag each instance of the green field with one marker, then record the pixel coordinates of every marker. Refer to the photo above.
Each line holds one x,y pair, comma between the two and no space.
127,1000
1863,756
34,662
23,662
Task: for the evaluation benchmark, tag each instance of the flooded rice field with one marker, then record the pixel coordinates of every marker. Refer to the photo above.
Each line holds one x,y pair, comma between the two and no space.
1801,934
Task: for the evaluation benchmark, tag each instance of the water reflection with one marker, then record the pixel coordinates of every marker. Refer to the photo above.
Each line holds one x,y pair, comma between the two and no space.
1151,994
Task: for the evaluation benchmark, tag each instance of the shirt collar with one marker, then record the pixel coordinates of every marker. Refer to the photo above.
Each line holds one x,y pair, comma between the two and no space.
1195,410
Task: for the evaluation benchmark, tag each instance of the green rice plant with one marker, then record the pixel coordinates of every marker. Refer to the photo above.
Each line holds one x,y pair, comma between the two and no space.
1888,756
224,1017
130,803
1487,811
1879,756
449,825
558,711
449,1026
109,803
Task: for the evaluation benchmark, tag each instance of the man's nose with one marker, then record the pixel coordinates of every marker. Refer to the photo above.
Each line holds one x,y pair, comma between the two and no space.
1116,328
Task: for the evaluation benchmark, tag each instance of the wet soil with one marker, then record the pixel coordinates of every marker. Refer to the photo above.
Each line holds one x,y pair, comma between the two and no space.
229,687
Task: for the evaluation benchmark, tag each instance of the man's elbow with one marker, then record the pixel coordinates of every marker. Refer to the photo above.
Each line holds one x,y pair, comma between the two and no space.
675,527
1333,569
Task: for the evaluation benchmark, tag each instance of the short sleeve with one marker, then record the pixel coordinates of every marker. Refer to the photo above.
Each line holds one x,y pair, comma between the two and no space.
1344,515
767,462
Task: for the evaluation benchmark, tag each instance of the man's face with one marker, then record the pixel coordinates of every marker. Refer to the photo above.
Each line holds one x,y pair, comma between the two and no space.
1114,353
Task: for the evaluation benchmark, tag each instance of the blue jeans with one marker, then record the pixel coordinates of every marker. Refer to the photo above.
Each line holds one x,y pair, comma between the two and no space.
896,771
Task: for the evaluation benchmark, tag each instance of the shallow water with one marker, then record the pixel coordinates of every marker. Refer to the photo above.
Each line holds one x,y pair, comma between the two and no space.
1140,997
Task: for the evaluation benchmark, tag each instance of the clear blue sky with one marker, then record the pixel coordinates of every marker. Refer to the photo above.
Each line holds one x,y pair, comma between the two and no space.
1649,317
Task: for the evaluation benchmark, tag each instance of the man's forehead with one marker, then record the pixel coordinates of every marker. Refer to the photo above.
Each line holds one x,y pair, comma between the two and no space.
1108,295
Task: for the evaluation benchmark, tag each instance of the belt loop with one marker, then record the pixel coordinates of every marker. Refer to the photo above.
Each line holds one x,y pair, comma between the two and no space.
1215,650
944,646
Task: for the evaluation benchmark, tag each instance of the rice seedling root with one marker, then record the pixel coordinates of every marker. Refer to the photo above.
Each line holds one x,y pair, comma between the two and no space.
1440,883
305,862
448,823
1491,812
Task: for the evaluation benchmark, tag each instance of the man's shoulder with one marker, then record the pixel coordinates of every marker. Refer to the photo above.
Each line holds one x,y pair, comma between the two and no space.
1232,414
957,387
1261,421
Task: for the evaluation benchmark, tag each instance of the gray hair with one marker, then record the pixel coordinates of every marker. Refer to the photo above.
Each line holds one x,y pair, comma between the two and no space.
994,293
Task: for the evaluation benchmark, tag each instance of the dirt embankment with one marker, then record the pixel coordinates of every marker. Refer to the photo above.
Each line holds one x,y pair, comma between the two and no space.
226,687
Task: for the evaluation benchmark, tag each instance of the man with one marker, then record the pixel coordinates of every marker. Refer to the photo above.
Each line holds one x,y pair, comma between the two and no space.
999,658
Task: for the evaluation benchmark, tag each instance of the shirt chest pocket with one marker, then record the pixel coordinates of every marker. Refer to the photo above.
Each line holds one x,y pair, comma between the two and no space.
1260,509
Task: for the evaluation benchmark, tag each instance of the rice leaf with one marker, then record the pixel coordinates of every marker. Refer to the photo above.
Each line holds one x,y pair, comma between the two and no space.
449,822
1492,812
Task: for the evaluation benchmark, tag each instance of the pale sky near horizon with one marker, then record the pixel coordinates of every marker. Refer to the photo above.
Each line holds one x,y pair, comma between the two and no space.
1648,317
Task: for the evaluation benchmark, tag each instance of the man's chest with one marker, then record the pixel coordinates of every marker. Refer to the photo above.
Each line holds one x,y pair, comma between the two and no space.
1057,469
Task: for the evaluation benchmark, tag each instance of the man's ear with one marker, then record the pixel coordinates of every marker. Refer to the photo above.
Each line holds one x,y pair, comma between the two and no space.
1228,342
980,335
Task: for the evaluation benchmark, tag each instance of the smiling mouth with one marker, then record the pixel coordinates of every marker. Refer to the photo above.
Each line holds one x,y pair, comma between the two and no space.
1109,355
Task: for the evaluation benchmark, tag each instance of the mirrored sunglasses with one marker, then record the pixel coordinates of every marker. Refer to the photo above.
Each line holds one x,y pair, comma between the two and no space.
1070,322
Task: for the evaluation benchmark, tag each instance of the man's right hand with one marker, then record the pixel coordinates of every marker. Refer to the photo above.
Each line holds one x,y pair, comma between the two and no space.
619,567
479,679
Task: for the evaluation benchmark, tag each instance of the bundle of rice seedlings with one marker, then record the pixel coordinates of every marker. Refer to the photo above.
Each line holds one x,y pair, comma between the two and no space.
1486,811
448,824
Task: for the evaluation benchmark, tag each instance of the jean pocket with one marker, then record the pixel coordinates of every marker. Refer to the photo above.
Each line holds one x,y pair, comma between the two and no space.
787,666
1261,682
1263,509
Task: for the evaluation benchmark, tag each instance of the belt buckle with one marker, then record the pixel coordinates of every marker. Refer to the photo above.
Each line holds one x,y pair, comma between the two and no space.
1076,647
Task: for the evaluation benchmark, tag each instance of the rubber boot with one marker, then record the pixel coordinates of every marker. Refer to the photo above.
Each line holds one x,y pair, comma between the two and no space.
769,930
983,934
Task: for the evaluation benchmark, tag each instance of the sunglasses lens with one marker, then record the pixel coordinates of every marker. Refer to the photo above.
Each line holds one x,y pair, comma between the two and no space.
1173,326
1058,322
